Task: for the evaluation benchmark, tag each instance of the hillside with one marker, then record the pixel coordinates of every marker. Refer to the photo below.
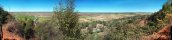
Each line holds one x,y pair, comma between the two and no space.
163,15
162,20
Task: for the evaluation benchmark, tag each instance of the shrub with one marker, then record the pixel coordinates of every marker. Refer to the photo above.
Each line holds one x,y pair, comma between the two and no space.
47,31
3,15
67,19
26,26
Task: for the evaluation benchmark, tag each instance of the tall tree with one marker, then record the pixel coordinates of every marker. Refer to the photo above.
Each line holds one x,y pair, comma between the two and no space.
3,18
67,19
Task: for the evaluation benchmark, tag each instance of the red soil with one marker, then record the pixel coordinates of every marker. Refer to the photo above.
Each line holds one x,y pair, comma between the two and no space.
9,35
162,34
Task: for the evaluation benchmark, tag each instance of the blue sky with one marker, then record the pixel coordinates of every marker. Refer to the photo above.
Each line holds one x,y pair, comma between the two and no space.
84,5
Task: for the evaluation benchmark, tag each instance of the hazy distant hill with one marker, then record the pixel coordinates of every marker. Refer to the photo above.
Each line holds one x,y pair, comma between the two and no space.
80,13
33,13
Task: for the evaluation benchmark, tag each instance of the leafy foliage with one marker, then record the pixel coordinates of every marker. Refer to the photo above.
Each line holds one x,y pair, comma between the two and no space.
62,26
67,19
120,29
162,16
26,26
3,16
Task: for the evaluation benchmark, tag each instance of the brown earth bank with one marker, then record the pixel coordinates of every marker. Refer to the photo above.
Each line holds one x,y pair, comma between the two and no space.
162,16
9,32
163,34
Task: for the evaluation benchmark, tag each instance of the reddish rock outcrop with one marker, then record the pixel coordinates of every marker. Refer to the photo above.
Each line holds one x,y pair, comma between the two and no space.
163,34
9,32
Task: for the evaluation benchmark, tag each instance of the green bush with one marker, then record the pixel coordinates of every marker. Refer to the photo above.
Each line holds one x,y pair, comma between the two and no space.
67,19
47,31
26,26
63,25
3,16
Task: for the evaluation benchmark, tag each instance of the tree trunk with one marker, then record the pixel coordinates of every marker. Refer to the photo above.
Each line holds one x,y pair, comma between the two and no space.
1,33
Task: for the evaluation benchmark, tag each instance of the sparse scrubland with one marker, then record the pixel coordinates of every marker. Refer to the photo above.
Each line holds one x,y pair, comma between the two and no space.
66,24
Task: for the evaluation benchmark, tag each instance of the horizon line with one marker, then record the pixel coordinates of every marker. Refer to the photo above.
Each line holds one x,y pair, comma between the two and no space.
85,12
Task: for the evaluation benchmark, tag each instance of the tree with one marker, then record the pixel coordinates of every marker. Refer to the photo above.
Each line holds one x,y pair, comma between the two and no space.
3,18
67,19
161,17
